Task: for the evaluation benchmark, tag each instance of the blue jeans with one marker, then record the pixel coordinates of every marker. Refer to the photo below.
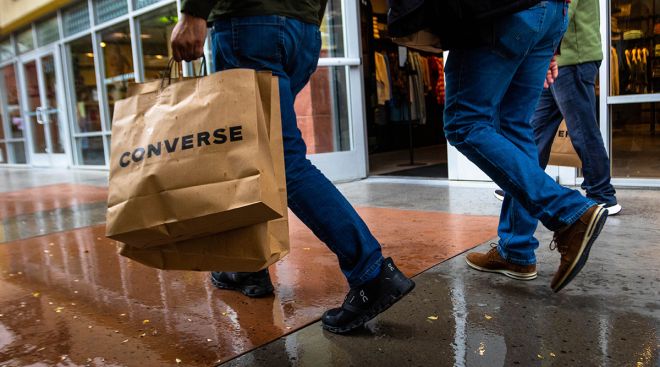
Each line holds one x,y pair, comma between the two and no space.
573,97
290,49
492,93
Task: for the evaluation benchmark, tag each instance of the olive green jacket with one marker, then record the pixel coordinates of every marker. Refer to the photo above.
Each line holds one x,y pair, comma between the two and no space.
582,41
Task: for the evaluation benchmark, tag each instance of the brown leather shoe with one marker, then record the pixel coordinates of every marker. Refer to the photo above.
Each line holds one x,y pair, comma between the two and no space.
492,262
574,244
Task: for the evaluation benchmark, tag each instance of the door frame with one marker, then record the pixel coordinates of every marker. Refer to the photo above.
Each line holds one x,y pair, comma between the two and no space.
45,160
351,164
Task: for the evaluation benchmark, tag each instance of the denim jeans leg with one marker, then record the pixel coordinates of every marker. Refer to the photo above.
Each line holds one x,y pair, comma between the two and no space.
290,49
482,83
517,242
575,93
516,230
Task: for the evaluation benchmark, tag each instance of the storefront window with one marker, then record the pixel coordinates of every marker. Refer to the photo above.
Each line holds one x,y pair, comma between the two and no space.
142,3
118,61
47,32
76,19
109,9
332,31
6,50
90,151
24,41
635,50
636,140
18,151
322,111
83,83
155,32
11,103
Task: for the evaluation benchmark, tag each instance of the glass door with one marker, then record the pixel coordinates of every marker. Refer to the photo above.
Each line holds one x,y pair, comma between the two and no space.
330,109
48,134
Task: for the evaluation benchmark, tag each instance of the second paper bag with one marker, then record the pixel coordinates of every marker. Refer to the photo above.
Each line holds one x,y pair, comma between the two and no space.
562,152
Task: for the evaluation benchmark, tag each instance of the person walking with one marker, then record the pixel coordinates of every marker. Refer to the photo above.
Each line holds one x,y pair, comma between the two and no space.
573,97
283,36
492,90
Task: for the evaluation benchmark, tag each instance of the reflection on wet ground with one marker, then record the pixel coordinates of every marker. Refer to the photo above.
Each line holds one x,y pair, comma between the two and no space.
50,197
608,316
455,318
68,298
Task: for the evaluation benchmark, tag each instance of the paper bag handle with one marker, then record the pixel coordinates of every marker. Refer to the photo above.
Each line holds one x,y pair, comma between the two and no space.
167,73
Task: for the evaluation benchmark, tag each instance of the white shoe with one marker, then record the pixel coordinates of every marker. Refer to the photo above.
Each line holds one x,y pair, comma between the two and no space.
612,209
499,194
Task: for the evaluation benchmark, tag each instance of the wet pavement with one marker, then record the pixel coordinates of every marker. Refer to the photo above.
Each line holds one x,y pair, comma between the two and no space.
608,316
67,298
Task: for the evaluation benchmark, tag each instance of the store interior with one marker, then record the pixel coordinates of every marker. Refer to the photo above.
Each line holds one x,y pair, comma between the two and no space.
404,98
635,70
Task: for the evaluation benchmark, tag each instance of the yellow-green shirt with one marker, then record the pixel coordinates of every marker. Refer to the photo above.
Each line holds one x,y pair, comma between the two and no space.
582,42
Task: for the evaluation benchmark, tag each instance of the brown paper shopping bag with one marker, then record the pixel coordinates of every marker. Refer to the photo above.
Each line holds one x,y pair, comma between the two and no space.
191,160
563,153
246,249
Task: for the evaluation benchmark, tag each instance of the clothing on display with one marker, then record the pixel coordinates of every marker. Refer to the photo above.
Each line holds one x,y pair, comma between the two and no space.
635,42
404,90
438,74
383,79
633,34
636,64
614,72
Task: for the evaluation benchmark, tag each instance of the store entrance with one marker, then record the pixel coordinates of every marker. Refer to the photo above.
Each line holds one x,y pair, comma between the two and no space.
42,111
404,98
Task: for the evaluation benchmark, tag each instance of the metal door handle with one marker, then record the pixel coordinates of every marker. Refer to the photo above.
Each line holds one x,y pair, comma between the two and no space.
39,116
39,112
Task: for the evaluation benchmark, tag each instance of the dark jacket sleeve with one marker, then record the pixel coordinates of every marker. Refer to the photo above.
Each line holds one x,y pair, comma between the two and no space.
198,8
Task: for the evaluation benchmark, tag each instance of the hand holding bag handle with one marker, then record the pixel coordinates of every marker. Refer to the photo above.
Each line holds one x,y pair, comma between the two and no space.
167,73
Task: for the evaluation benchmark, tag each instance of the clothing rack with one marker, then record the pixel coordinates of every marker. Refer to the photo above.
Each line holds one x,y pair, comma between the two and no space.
411,122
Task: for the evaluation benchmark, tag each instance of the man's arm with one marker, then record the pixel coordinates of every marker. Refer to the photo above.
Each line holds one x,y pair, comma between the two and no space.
189,34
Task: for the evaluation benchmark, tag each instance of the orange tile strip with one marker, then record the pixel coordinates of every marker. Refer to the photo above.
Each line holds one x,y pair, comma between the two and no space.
69,296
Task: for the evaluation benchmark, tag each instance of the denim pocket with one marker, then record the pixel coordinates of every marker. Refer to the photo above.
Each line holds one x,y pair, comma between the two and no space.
516,34
258,41
223,52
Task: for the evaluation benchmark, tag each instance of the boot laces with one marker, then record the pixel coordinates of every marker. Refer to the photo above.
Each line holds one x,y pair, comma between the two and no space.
554,245
493,255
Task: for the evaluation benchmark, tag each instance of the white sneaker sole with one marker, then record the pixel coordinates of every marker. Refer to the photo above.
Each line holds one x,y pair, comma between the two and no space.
614,210
511,274
498,196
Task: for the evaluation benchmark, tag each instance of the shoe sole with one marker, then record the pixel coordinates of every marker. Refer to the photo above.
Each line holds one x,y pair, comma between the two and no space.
379,308
511,274
593,230
498,196
220,285
614,210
